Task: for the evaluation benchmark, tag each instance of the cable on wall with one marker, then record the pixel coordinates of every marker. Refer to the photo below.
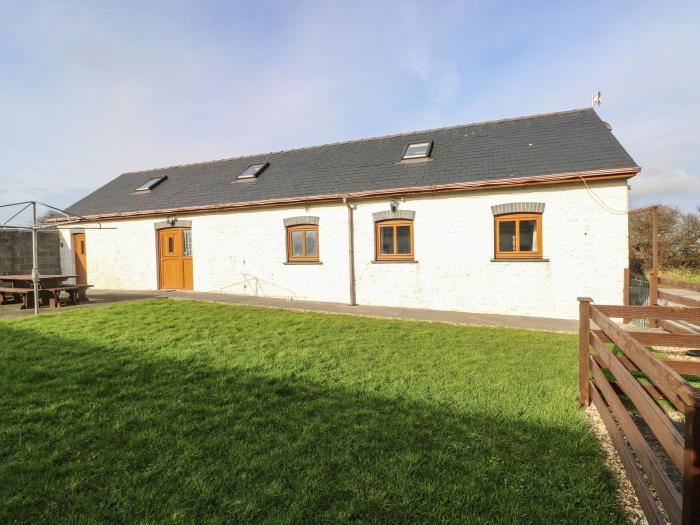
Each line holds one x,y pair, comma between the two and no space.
601,202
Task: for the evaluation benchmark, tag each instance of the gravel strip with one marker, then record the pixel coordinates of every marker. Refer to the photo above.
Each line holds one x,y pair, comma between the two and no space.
677,354
625,493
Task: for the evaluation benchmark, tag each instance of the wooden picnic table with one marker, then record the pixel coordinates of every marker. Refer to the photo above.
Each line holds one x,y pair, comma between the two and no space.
50,288
26,280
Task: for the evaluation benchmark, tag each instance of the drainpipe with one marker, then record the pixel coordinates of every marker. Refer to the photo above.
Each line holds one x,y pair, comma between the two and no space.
351,250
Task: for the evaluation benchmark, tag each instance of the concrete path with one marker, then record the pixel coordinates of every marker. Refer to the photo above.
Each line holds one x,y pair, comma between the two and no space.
414,314
97,298
103,297
688,294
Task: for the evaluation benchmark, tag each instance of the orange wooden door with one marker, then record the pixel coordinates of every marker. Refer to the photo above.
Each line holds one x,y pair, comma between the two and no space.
80,258
175,253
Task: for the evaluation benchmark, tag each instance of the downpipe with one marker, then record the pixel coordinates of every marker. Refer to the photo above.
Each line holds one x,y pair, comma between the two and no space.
351,250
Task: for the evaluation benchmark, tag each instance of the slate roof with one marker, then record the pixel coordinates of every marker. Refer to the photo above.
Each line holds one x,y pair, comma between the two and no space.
570,141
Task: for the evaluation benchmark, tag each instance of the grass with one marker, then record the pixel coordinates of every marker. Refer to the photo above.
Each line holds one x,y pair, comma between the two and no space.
185,412
687,276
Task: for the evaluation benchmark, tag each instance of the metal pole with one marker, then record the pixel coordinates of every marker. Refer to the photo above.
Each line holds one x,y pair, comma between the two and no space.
35,266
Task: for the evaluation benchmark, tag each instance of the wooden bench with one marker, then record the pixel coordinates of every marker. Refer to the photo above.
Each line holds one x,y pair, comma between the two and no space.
50,295
23,293
82,291
53,294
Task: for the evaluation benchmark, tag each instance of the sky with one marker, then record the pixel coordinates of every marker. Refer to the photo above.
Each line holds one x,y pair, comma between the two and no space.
89,90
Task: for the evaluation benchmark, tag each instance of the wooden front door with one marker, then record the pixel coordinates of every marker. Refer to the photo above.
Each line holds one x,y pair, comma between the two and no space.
80,258
175,253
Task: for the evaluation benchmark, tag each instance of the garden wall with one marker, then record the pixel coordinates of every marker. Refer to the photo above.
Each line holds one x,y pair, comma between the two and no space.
16,252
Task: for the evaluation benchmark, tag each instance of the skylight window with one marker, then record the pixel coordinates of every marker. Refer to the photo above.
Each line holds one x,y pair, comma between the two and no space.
418,150
253,171
151,183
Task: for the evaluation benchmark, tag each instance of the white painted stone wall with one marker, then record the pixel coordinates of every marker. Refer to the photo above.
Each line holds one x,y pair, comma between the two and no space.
123,258
244,252
586,248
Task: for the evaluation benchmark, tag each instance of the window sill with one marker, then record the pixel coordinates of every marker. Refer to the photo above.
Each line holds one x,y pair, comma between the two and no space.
520,259
398,261
301,263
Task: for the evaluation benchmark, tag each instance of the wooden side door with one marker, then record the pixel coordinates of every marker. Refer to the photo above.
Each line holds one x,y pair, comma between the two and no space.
80,258
175,254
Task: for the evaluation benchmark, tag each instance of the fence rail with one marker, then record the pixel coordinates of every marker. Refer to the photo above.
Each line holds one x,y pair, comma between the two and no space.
648,473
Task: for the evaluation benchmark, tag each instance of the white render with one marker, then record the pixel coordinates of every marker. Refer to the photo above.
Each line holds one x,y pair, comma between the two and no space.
244,252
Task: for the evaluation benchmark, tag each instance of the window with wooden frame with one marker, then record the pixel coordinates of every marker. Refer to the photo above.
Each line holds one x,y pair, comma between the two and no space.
302,243
394,240
518,236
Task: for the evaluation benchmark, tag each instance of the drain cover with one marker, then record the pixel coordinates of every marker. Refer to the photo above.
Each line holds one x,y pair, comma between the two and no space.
694,353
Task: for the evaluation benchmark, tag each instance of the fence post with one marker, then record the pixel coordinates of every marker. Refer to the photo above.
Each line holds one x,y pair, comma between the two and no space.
626,293
584,327
654,288
691,455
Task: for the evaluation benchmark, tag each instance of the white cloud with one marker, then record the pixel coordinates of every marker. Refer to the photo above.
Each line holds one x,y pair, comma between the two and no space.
668,186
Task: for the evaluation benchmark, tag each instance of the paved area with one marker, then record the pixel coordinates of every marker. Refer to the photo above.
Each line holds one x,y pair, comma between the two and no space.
97,298
415,314
104,297
688,294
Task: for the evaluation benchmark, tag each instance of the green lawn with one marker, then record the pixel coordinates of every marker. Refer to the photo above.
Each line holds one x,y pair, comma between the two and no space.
687,276
186,412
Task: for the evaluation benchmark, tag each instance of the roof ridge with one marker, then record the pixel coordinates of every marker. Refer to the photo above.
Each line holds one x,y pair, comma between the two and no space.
353,141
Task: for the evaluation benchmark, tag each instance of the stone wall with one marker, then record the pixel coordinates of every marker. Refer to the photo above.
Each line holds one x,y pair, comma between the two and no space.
16,252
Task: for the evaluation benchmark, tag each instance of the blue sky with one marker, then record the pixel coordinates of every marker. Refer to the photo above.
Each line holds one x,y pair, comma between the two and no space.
90,90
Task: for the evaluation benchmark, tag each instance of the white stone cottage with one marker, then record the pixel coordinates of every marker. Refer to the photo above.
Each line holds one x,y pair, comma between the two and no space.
499,217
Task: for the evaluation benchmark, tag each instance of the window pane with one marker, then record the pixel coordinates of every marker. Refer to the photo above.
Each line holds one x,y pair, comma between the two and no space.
417,150
528,236
506,236
387,239
171,245
297,243
187,243
150,184
403,239
252,171
311,243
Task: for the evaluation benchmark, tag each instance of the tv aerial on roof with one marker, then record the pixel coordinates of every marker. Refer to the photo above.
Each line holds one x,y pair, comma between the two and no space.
597,99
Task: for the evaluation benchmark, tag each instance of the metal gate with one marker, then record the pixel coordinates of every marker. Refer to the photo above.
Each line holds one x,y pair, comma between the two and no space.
639,296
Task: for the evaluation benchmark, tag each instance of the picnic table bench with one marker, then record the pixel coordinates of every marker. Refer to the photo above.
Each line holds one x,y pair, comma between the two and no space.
50,288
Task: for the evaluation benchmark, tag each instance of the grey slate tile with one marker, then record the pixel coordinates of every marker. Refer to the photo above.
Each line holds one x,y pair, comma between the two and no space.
561,142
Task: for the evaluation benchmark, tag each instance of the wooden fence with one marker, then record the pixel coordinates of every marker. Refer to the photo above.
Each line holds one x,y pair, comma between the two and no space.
648,470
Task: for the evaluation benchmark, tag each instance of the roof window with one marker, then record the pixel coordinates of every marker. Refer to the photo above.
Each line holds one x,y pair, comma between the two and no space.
253,171
151,183
418,150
